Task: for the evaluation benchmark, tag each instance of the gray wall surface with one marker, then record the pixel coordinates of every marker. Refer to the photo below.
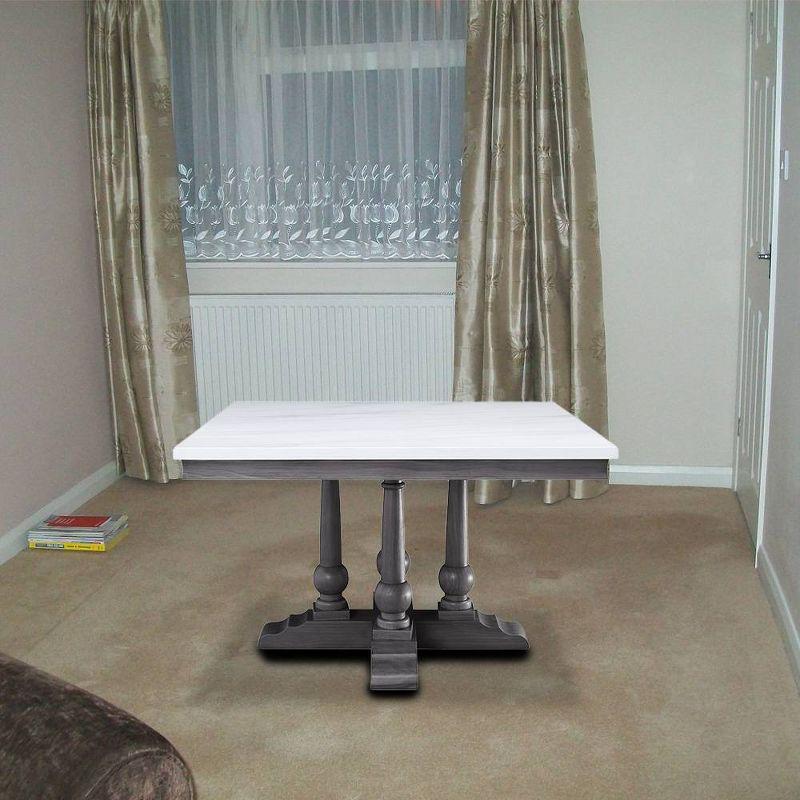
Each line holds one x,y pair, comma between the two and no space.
54,409
668,102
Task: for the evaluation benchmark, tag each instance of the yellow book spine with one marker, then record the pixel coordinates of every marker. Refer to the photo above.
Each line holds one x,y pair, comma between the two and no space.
86,547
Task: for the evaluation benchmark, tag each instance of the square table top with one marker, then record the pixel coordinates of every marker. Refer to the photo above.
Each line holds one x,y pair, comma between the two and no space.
394,432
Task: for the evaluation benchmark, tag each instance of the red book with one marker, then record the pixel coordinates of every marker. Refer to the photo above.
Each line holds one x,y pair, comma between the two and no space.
85,523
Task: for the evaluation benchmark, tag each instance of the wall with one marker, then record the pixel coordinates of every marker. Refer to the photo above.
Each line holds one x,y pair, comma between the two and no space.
668,102
779,558
54,410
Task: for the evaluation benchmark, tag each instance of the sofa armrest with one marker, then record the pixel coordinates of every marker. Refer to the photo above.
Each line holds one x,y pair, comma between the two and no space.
59,742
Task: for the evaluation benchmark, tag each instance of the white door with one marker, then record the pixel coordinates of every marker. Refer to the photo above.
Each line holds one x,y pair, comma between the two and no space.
759,184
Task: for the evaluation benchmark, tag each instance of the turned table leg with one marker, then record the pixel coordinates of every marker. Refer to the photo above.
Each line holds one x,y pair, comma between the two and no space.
457,624
330,576
456,576
393,651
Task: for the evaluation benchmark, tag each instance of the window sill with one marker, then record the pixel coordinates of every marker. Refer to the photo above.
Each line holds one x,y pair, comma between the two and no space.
314,277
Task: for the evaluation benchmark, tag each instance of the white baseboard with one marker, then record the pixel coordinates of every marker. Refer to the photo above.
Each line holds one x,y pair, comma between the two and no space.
717,477
13,541
786,622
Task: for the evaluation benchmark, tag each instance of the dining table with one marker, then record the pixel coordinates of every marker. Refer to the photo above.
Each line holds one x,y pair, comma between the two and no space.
395,442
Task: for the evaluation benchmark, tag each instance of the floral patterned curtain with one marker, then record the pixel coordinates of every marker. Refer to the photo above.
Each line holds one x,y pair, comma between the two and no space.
529,299
143,273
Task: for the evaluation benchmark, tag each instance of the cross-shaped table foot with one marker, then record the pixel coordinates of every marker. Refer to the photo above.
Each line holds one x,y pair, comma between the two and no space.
393,632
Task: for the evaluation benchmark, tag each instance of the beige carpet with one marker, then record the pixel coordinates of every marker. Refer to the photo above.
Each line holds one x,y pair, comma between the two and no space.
657,672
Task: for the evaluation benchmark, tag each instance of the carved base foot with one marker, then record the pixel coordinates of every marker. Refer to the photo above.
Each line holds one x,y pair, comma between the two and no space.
393,665
468,630
307,631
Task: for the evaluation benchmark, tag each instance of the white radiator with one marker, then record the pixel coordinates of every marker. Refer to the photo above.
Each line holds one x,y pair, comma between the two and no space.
322,347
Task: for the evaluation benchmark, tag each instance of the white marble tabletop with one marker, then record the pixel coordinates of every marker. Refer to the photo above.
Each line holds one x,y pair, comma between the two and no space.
273,431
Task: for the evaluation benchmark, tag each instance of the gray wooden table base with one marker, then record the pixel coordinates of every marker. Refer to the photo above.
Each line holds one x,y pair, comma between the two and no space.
393,632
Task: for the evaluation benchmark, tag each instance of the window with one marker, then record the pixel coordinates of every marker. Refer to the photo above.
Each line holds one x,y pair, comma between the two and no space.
319,129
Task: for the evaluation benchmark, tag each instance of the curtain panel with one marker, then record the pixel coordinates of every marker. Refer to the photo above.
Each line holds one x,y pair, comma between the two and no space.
529,304
145,296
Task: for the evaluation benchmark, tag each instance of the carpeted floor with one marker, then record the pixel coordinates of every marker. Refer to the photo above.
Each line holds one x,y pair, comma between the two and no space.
657,670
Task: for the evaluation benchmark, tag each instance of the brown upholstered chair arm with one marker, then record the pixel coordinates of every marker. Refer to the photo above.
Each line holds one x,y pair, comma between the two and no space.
59,742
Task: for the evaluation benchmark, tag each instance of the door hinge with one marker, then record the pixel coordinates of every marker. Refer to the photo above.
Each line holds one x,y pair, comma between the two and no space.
739,427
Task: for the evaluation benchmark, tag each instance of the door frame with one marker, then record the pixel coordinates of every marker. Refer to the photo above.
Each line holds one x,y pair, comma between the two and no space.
758,534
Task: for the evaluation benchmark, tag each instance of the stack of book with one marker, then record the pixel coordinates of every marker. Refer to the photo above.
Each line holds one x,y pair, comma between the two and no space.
66,532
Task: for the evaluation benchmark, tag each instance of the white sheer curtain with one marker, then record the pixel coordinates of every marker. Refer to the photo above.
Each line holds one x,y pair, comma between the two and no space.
319,129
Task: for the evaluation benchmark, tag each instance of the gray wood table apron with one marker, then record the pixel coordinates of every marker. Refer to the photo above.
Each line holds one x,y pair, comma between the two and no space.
394,631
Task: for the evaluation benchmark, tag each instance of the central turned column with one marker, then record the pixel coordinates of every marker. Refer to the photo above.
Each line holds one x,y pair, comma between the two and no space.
393,649
393,594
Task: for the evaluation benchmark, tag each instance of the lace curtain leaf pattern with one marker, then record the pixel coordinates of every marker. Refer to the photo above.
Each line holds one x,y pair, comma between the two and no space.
356,210
319,130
